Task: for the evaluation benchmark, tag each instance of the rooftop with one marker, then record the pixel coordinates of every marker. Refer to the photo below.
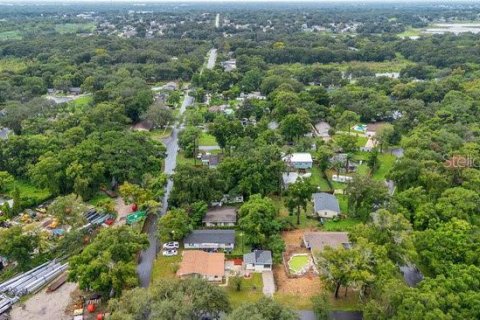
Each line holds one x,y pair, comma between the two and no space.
201,262
325,201
299,157
258,257
224,214
319,240
210,236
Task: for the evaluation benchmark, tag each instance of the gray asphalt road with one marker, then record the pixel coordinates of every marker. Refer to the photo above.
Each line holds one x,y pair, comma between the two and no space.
144,268
212,57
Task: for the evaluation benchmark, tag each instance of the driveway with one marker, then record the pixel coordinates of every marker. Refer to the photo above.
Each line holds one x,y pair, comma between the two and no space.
268,283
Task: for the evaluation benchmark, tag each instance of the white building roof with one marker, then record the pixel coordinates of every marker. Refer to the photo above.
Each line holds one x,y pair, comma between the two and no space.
301,157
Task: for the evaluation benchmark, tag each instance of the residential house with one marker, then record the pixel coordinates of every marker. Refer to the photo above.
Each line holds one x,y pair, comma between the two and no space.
318,241
258,261
301,160
4,133
325,205
210,239
144,125
170,86
207,265
75,91
229,65
220,217
210,160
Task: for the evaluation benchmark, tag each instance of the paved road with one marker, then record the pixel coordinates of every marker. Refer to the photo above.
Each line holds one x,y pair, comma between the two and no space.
212,58
147,257
217,21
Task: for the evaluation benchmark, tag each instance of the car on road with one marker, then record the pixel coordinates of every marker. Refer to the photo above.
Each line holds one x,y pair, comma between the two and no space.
171,245
170,253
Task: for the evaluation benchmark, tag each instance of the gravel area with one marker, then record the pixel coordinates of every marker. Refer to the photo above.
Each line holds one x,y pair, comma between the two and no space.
45,306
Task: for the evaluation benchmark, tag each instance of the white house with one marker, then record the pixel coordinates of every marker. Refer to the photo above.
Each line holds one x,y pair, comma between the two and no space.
300,160
258,261
325,205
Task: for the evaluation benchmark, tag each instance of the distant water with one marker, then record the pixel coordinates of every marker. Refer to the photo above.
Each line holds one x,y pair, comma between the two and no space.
456,28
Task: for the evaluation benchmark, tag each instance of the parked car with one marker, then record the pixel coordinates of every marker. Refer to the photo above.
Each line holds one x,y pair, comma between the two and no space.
170,253
171,245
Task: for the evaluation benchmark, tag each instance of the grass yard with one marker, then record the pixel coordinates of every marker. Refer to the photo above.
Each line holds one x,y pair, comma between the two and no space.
363,169
82,101
74,27
361,141
182,160
165,267
100,196
410,32
29,191
207,139
340,225
251,291
343,202
298,262
387,161
10,35
318,179
305,222
241,247
159,134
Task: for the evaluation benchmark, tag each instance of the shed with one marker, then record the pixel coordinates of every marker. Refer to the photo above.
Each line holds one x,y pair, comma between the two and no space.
325,205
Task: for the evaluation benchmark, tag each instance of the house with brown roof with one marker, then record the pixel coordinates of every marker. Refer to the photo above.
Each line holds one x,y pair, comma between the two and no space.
207,265
221,217
318,241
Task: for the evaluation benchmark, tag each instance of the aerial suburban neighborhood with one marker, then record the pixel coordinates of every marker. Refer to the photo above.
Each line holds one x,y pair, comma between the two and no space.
221,160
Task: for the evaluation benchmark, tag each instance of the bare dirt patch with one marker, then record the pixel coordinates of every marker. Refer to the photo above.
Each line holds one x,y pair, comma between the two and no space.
306,286
122,210
45,306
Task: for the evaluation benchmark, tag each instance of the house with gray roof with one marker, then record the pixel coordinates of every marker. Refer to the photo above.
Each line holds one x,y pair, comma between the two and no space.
325,205
4,133
210,239
220,217
258,261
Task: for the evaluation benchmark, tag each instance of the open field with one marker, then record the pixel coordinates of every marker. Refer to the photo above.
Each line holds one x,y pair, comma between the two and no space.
207,139
74,27
10,35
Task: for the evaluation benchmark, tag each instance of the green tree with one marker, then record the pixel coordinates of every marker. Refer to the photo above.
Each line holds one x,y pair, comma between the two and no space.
347,142
293,126
299,194
188,140
347,120
69,210
6,180
108,264
15,245
384,136
174,225
321,306
159,114
264,309
172,299
364,195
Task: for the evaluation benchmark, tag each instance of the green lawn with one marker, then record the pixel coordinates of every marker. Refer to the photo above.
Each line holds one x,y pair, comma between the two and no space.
165,267
251,291
410,32
293,301
10,35
182,160
100,196
81,102
74,27
363,169
29,191
207,140
240,246
159,134
361,141
298,262
340,225
387,161
318,180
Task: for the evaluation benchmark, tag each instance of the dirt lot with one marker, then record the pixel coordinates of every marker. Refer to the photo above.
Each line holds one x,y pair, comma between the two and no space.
45,306
305,286
122,209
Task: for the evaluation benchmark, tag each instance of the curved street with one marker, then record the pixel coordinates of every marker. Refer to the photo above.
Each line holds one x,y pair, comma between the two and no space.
147,257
